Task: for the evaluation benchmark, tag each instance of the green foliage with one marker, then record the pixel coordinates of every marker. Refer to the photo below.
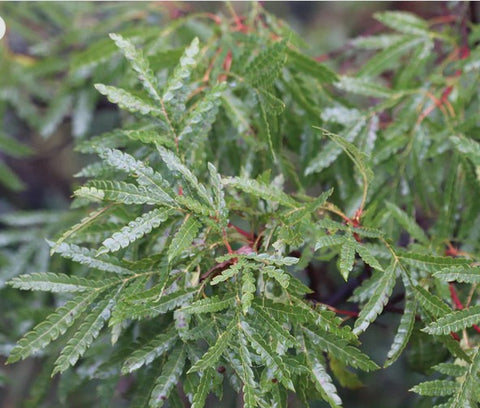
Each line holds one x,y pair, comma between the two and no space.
243,172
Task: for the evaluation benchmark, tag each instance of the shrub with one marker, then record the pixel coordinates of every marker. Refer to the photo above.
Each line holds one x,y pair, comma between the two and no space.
247,167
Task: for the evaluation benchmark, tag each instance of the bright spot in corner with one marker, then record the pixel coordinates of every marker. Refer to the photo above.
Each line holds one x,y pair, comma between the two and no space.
3,28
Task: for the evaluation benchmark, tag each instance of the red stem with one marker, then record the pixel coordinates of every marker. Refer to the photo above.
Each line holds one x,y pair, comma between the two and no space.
453,294
241,231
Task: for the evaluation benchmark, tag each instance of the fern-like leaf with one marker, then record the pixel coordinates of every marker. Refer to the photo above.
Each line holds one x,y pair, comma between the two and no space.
89,258
210,305
215,351
462,274
88,331
269,357
118,191
368,257
171,372
260,190
54,326
377,301
408,223
454,321
404,331
468,390
128,101
176,90
139,64
150,351
266,66
404,22
320,377
347,257
58,283
248,289
135,230
199,120
274,328
338,347
174,164
184,237
436,388
146,176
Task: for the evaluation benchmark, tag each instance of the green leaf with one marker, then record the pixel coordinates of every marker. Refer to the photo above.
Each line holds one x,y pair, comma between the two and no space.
58,283
57,110
97,52
278,274
209,305
377,301
128,101
469,387
331,150
364,87
388,57
451,369
9,179
309,66
212,355
13,147
404,22
140,306
135,230
171,372
347,257
377,41
276,330
184,237
368,257
436,388
404,331
408,223
267,132
228,273
248,289
470,148
219,195
201,117
339,348
455,321
203,389
261,190
84,223
269,357
89,258
358,158
266,66
245,372
433,305
329,241
266,258
176,91
174,164
430,263
270,103
118,191
146,176
150,351
51,328
322,380
139,64
88,331
464,273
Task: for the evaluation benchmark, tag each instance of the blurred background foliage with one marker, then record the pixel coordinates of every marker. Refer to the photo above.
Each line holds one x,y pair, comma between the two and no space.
48,103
